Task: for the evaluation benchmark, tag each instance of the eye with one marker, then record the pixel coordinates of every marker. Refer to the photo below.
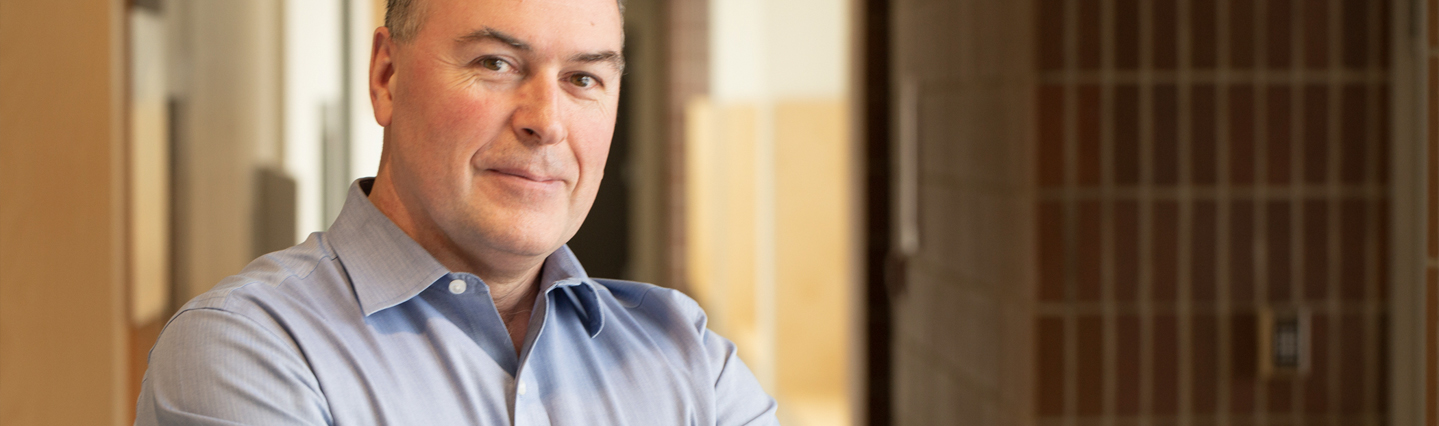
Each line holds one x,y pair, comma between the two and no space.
583,80
493,63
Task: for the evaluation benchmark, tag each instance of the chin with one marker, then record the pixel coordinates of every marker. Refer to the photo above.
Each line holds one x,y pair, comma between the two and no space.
508,226
528,248
523,240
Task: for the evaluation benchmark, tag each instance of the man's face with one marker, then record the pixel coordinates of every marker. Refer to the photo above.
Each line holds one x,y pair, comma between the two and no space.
499,117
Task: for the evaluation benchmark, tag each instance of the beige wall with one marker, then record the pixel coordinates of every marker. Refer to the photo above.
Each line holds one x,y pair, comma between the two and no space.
149,165
769,185
769,250
769,210
62,321
228,83
812,247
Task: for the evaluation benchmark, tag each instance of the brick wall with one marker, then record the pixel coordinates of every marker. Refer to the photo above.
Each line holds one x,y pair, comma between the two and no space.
1112,191
1200,161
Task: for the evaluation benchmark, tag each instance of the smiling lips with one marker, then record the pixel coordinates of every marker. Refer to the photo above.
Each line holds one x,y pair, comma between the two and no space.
528,176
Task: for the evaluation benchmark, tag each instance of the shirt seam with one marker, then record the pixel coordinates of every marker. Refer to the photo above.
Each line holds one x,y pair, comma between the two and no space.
327,252
224,298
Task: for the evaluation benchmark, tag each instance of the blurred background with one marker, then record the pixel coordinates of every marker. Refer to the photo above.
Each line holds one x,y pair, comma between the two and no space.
918,212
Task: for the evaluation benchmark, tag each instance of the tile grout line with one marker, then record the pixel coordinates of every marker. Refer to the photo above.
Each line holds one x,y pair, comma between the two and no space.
1070,323
1363,191
1332,228
1146,222
1221,211
1260,225
1183,141
1203,76
1097,308
1106,212
1372,239
1297,134
1278,420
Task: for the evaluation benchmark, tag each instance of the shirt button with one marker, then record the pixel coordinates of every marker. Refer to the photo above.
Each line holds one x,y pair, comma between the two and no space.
457,286
520,388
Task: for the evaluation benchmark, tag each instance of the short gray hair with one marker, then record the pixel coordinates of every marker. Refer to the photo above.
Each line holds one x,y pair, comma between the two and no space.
402,17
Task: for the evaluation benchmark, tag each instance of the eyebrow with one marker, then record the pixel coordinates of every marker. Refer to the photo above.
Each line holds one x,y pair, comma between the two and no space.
488,33
615,59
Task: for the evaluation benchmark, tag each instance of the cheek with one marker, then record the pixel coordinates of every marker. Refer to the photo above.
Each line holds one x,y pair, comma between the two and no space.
463,116
593,136
592,155
452,127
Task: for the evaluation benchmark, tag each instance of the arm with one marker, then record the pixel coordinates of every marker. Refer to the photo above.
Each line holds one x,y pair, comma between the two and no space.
739,399
214,367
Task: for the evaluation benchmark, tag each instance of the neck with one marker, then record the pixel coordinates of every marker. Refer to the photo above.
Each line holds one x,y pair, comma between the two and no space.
513,282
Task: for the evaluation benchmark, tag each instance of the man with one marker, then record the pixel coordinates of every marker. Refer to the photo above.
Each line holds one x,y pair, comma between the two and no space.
443,293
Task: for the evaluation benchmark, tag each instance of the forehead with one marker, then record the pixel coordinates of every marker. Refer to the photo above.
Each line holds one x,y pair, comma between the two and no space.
545,24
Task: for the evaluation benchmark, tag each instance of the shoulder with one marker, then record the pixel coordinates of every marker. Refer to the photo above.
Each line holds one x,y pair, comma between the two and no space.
634,294
279,292
654,302
273,298
269,276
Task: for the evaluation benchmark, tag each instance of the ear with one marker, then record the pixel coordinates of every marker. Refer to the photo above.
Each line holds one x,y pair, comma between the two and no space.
382,76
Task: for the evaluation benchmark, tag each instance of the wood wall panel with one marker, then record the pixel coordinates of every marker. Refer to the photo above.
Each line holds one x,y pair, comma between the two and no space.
62,325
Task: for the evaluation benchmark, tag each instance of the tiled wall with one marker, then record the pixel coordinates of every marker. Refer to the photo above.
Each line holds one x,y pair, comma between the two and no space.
1200,161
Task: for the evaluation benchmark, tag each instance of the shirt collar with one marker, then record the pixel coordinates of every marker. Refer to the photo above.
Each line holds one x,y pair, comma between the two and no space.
562,273
387,267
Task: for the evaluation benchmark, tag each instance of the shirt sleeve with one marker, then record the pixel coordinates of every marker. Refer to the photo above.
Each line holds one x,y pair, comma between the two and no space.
739,399
215,367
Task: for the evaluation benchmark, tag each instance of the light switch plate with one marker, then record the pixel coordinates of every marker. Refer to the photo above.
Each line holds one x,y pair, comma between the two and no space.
1284,342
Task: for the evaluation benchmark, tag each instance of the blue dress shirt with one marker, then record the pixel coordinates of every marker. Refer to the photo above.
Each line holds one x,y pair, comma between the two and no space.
361,326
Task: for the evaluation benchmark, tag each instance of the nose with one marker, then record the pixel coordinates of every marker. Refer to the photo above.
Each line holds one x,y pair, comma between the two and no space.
537,118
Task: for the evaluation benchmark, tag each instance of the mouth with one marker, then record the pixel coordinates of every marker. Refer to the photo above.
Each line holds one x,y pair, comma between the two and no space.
527,176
